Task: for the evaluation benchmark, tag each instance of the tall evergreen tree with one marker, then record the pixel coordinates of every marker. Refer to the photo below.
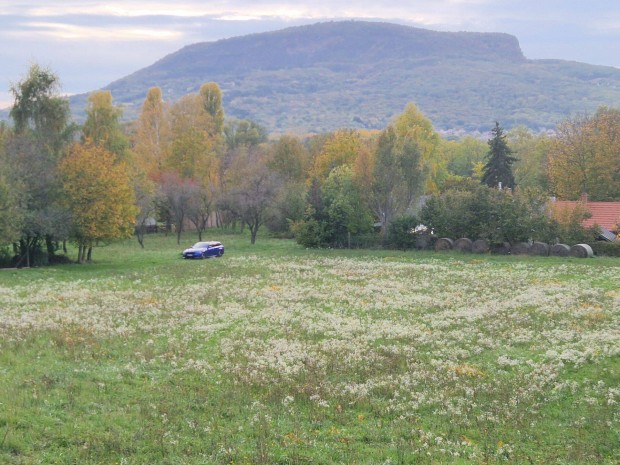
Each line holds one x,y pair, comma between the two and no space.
498,168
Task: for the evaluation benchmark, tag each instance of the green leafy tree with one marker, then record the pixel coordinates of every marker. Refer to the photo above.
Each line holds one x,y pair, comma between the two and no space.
345,211
41,132
498,168
244,132
530,170
289,161
397,176
463,155
480,212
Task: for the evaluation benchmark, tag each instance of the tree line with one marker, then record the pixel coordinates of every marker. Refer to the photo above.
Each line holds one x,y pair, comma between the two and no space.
184,163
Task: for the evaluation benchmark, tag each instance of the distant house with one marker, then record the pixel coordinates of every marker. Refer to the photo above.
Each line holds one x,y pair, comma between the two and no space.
606,215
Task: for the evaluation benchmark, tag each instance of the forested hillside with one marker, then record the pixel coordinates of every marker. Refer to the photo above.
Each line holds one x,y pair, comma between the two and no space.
361,74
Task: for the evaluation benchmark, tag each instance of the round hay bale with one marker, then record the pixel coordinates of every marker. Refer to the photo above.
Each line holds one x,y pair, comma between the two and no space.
501,249
423,242
581,251
480,246
444,243
560,250
520,248
540,249
463,244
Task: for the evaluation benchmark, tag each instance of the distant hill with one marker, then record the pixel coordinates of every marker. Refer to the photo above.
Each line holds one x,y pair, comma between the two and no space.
361,74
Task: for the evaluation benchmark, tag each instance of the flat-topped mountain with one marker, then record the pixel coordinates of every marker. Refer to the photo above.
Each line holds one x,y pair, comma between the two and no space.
361,74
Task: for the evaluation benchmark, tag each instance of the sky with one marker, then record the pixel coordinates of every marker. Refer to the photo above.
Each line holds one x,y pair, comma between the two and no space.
90,44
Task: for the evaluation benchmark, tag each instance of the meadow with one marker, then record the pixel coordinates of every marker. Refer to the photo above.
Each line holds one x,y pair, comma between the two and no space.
274,354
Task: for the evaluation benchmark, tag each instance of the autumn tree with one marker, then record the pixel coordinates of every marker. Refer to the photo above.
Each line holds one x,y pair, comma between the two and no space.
152,134
341,148
193,152
211,98
584,157
145,193
412,125
176,195
102,126
498,168
201,206
252,189
99,195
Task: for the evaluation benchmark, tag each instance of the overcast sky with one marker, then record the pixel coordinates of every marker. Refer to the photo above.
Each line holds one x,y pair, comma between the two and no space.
89,44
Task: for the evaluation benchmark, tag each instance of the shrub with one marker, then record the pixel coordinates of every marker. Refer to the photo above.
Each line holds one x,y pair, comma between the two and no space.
480,212
309,233
567,224
608,249
6,258
401,233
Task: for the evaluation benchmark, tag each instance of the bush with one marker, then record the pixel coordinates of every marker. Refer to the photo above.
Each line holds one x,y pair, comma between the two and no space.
7,259
606,249
309,233
401,233
480,212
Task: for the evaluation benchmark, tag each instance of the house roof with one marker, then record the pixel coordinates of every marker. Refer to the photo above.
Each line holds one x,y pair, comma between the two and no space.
604,214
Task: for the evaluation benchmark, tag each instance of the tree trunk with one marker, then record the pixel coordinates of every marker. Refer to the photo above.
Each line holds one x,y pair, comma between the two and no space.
140,231
253,232
90,254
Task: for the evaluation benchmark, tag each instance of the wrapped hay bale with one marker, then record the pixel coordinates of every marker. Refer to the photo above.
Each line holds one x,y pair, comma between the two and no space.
480,246
423,242
463,244
560,250
444,243
520,248
501,249
540,249
581,251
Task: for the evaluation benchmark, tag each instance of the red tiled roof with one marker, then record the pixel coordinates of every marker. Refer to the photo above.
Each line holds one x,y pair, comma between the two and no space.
605,214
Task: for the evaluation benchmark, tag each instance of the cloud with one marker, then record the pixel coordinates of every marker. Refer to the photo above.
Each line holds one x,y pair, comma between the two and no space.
65,31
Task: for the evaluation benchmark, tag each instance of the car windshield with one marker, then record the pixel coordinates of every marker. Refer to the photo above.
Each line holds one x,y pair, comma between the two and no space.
201,245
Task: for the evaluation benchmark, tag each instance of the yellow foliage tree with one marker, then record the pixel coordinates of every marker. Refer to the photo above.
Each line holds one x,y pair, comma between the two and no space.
211,97
102,125
411,124
342,148
193,151
585,157
99,195
152,135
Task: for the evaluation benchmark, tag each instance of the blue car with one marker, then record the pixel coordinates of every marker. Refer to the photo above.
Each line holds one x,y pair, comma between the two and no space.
204,250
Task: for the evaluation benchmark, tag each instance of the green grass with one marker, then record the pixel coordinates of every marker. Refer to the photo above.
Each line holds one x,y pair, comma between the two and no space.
275,354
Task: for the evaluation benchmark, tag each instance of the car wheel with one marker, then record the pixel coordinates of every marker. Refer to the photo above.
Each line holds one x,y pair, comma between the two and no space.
220,253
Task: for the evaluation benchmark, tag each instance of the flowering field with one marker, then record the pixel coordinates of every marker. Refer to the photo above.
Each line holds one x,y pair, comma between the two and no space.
277,355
